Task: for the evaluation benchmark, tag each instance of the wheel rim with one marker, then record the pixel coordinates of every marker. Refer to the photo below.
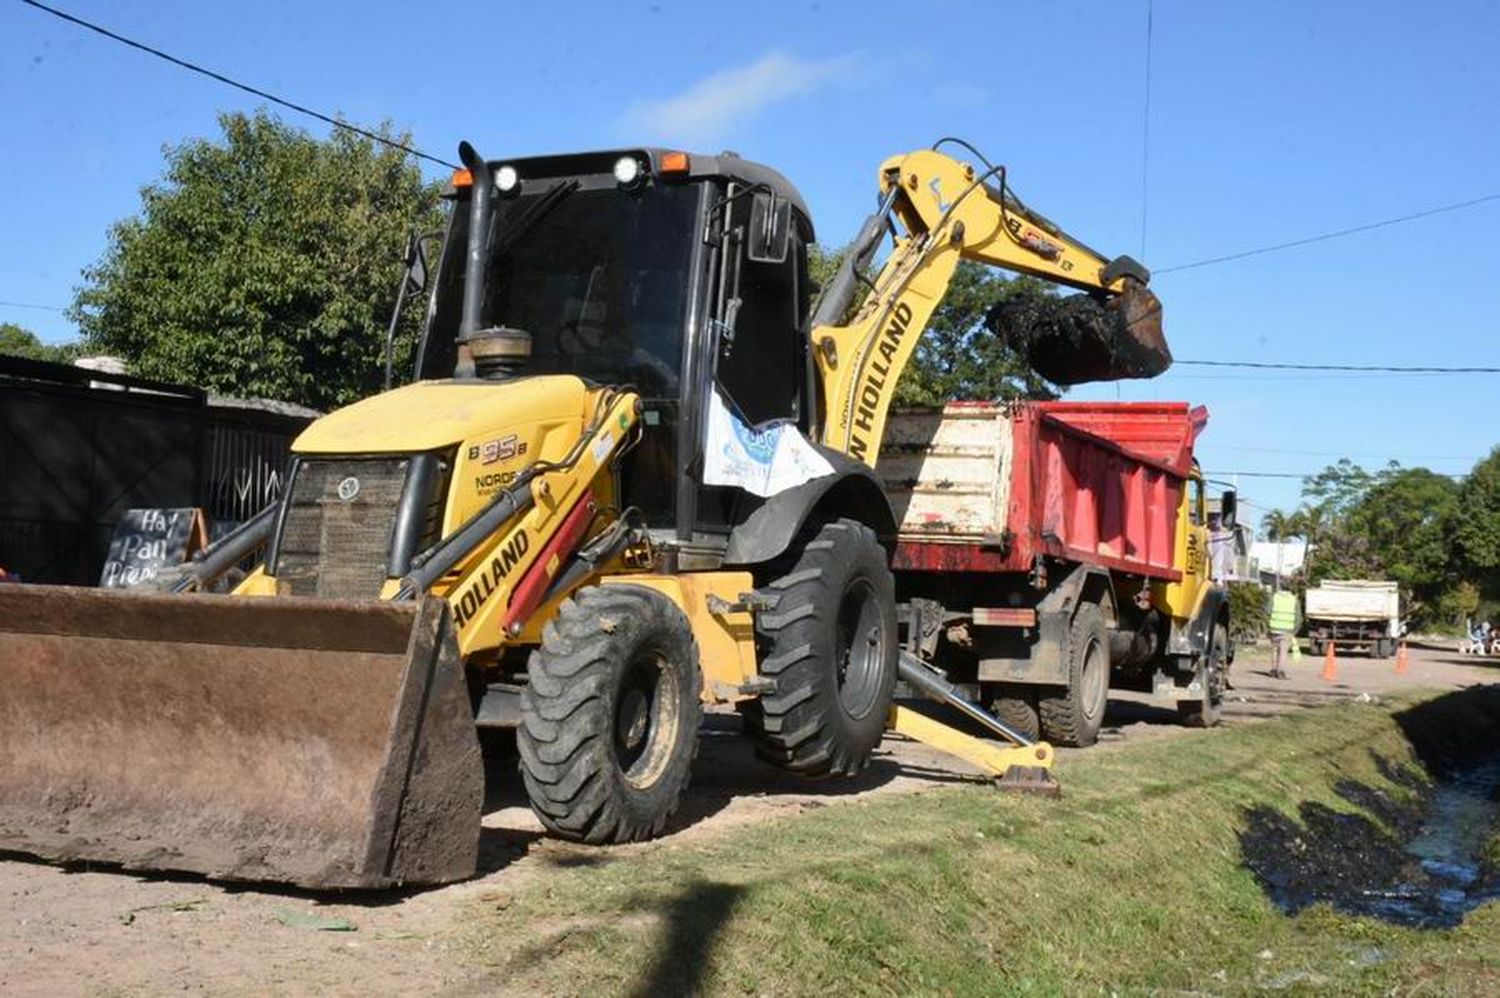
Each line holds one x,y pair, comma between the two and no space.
1094,684
646,718
860,654
1213,682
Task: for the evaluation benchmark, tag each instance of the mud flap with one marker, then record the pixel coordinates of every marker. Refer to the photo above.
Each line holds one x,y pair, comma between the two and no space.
321,743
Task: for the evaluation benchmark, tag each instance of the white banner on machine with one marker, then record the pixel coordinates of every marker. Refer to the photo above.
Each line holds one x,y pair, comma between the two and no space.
763,461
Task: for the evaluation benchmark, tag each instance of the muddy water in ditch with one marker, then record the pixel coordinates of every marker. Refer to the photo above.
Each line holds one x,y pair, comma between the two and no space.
1420,862
1450,852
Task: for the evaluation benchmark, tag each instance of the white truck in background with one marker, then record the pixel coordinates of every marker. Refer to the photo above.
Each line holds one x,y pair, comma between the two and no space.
1354,613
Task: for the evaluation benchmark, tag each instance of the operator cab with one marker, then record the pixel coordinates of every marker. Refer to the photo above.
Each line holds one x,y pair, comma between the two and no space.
666,272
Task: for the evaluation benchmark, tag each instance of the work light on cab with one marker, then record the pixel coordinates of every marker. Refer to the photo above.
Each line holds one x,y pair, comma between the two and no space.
627,171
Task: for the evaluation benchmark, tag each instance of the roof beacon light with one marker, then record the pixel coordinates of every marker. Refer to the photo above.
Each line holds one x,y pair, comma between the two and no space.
506,178
627,170
674,162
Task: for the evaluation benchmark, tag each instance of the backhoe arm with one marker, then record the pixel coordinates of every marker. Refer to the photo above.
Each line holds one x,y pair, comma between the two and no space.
941,212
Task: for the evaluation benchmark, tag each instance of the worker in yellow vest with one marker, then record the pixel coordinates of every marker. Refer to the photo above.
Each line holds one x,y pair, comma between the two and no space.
1283,628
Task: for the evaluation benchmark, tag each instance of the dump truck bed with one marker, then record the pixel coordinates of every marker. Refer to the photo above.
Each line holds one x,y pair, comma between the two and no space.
980,486
1354,599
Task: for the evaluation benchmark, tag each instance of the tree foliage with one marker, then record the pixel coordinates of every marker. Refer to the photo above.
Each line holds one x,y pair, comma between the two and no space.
1476,523
1394,523
264,264
1249,612
957,357
18,341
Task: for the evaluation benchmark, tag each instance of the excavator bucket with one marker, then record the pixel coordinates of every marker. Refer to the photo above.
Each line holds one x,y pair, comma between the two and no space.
320,743
1077,338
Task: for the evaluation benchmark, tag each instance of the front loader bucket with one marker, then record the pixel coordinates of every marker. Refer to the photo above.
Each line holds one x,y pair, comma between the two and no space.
321,743
1076,338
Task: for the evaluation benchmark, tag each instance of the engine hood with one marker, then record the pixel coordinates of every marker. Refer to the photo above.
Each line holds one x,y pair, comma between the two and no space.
432,414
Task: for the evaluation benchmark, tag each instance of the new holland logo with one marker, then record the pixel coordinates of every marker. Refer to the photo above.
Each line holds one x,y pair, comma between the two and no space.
348,488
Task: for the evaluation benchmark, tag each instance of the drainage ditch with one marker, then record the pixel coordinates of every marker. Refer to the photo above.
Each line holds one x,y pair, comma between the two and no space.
1420,849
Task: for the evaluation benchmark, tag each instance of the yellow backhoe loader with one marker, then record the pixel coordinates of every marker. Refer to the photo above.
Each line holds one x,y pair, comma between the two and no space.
633,477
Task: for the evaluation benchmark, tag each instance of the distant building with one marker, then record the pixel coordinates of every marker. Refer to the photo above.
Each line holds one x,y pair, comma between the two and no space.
1283,559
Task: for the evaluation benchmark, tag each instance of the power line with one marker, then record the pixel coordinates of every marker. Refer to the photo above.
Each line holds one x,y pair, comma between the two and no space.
27,304
247,88
1380,368
1146,129
1321,237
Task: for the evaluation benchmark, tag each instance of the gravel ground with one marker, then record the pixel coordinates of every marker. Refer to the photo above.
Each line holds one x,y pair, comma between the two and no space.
81,931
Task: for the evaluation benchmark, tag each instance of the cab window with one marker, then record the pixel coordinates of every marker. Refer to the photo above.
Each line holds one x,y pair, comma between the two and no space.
762,355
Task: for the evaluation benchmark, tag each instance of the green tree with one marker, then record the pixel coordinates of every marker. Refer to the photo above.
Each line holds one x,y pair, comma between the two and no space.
1405,519
1280,526
1394,523
958,357
1476,525
18,341
265,264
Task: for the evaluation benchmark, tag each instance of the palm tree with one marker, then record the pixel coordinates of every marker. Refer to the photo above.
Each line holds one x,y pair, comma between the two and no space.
1279,527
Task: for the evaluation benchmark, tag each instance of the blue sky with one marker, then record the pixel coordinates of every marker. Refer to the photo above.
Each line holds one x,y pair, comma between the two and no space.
1269,122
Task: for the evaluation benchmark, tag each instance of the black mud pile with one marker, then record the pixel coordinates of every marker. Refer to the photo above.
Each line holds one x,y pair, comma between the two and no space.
1074,339
1421,861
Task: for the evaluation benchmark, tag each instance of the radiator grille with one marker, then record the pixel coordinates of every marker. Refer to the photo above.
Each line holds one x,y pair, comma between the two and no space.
336,537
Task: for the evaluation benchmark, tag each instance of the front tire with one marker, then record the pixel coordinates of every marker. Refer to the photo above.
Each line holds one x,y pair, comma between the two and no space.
829,645
1075,715
1205,711
610,714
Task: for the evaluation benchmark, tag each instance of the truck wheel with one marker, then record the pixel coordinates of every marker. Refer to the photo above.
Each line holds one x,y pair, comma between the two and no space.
1205,711
609,715
1073,716
1016,705
829,645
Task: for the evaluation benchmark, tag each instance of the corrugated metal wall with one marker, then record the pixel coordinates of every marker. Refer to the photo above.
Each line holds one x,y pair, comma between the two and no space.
78,448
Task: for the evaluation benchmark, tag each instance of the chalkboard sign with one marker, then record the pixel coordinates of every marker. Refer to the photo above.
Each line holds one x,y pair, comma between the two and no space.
149,540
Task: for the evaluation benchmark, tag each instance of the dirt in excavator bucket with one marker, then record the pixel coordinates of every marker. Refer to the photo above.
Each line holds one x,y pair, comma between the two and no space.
321,743
1076,338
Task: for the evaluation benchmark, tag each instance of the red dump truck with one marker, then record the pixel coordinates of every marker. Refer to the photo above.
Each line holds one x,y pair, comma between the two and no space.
1049,552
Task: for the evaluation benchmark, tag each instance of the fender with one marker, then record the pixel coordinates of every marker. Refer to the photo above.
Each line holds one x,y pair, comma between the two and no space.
852,490
1193,639
1046,664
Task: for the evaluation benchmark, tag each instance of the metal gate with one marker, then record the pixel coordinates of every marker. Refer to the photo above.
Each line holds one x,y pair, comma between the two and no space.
79,447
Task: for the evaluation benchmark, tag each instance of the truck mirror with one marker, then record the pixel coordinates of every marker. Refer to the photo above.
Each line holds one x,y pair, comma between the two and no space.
1228,506
416,260
770,232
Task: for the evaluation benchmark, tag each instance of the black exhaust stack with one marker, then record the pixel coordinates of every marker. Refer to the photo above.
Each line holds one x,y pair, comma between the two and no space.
491,354
477,261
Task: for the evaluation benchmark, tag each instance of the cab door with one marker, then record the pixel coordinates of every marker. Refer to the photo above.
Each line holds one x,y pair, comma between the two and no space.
1190,555
760,354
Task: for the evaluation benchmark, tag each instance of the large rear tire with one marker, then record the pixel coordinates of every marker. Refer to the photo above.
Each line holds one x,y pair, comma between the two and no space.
1073,716
1205,711
829,645
610,714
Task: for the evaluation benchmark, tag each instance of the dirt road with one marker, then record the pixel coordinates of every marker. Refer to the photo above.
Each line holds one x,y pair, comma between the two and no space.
105,932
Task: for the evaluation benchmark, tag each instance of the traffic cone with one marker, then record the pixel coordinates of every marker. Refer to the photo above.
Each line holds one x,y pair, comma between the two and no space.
1330,665
1401,660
